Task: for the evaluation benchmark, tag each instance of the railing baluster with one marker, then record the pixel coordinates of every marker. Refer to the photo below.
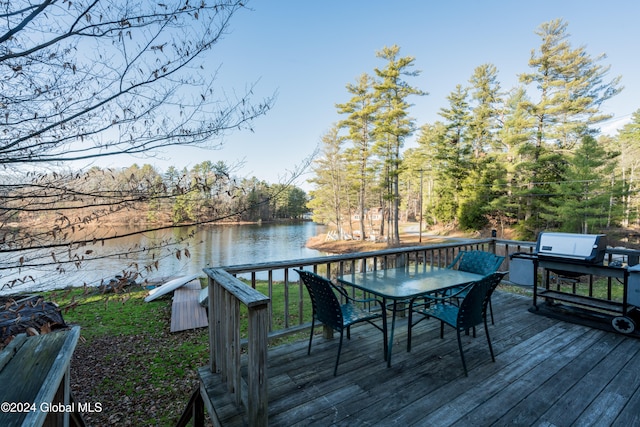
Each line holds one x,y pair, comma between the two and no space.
286,298
270,288
300,301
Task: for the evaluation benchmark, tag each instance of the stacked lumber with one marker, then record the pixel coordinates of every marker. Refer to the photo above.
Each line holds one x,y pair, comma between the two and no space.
186,311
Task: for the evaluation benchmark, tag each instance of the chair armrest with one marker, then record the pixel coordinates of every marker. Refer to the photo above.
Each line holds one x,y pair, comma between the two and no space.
460,290
445,298
455,260
340,289
349,298
369,300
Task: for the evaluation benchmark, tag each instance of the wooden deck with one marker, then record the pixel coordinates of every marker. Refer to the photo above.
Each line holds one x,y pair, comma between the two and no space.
186,311
547,373
34,373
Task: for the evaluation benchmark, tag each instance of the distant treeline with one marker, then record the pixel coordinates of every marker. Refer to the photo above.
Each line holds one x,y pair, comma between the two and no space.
207,192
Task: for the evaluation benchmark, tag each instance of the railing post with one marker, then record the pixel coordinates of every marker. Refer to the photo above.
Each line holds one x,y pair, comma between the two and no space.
492,243
402,260
258,396
226,293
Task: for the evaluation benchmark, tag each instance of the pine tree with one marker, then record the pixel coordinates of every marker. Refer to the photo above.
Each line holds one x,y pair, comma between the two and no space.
327,201
628,144
443,173
582,201
487,97
453,153
393,123
517,131
571,89
361,110
482,130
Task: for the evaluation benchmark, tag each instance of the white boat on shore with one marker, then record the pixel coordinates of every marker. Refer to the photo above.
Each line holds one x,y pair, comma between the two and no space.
169,286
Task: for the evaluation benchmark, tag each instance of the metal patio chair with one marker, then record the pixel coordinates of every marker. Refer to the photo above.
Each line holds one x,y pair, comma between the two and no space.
479,262
471,312
328,310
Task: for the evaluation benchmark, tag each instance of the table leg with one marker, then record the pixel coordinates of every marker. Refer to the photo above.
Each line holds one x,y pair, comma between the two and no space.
385,330
393,327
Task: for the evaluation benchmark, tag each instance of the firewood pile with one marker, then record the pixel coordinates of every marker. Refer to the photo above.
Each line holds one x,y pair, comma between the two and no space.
31,315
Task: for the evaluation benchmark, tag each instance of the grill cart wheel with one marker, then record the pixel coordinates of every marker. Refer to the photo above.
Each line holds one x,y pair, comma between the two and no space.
623,324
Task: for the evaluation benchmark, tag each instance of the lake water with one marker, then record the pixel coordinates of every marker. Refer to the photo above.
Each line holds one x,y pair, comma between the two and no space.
211,246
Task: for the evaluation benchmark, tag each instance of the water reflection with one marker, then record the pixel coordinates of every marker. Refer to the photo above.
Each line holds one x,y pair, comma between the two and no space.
211,246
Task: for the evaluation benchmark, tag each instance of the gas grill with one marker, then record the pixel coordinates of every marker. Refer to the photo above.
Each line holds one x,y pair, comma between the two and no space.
586,249
569,256
563,249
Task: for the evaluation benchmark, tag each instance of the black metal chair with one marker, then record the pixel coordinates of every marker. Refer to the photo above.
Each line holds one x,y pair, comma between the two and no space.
328,310
471,312
479,262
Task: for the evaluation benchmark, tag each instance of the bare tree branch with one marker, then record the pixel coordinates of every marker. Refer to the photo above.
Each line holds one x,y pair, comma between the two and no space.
88,79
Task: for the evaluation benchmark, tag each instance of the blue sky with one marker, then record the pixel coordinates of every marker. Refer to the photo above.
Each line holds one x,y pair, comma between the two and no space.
308,51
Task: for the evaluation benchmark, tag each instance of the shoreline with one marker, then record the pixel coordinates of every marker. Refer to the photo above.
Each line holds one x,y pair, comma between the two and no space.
408,237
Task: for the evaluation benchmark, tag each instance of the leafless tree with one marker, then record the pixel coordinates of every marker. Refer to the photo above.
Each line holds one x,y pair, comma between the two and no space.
85,79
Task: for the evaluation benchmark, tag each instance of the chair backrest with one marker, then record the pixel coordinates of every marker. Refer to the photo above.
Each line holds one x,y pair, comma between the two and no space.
326,307
479,262
473,307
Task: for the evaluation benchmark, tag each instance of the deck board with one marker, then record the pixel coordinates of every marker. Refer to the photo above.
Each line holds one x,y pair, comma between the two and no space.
546,394
186,311
547,372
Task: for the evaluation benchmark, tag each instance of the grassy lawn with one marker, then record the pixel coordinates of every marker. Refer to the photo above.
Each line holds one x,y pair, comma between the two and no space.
111,314
129,361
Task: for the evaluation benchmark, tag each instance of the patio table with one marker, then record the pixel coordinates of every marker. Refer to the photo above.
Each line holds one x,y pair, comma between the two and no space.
403,284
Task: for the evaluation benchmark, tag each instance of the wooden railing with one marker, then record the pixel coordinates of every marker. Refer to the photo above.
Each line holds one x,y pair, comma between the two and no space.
231,286
226,294
293,317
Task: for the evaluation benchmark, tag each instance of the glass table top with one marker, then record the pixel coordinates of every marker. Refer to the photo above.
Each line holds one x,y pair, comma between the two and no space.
404,283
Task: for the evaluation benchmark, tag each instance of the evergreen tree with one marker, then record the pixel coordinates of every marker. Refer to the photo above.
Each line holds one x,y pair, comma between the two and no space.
253,203
361,110
483,196
627,143
296,202
327,199
516,132
484,124
287,202
442,174
457,121
582,202
483,127
393,124
571,89
517,125
453,153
